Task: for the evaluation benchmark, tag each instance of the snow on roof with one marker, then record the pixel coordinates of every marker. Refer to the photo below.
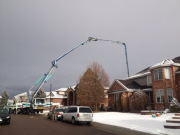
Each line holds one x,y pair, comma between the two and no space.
23,94
61,89
163,63
73,87
140,74
106,88
47,93
56,95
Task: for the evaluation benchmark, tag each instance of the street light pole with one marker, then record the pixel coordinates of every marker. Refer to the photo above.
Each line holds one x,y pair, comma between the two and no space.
118,42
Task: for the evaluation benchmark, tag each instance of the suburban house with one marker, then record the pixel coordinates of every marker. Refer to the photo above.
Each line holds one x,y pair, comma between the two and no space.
23,97
67,96
57,97
161,82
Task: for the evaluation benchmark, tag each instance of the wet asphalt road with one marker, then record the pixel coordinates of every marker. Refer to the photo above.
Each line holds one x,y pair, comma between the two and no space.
38,124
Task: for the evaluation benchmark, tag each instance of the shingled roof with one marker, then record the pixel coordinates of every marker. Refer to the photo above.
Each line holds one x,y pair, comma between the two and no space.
176,60
165,62
130,84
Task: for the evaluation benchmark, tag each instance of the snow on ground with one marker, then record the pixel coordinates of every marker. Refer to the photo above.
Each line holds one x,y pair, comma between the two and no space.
135,121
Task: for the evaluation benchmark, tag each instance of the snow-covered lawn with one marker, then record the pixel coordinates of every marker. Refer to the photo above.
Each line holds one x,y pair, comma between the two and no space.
135,121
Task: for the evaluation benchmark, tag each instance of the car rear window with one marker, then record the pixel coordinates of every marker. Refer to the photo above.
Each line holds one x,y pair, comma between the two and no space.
60,110
85,110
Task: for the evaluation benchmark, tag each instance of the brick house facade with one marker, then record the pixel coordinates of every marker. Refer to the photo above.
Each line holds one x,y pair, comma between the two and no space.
57,97
67,96
71,96
161,82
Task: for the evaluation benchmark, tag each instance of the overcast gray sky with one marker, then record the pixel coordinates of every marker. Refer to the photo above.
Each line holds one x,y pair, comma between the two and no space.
35,32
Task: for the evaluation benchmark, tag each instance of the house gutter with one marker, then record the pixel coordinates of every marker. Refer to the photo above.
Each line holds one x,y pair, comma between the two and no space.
165,65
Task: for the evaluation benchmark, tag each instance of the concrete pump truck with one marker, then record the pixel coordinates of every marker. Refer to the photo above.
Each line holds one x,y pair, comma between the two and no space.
38,104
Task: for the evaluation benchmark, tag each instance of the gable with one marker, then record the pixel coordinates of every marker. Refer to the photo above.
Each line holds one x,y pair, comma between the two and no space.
115,86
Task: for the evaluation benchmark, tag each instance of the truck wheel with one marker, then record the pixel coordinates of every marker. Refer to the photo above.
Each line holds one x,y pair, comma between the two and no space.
88,123
24,111
37,112
27,111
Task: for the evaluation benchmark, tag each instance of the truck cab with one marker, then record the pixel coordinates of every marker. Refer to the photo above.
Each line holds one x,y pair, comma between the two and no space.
39,105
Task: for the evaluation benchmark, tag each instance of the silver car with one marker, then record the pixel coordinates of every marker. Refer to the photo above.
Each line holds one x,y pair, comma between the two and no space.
78,114
59,113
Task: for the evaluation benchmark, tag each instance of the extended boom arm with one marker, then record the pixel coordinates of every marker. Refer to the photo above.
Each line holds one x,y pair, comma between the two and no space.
46,76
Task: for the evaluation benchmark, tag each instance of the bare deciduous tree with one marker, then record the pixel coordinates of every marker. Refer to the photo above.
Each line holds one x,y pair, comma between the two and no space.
99,70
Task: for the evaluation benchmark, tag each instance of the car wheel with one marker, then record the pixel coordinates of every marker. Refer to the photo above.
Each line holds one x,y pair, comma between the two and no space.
48,116
9,122
73,121
88,123
62,119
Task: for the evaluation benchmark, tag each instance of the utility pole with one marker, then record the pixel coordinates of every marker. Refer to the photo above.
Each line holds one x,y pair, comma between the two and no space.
50,95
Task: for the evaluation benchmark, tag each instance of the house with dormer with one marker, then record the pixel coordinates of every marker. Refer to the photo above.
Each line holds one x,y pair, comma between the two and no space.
161,82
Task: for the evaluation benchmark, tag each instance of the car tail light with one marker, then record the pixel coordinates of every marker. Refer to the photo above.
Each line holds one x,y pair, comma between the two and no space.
58,113
78,115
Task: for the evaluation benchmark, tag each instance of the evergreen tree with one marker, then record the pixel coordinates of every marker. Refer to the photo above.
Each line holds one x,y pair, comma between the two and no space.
41,93
4,99
90,90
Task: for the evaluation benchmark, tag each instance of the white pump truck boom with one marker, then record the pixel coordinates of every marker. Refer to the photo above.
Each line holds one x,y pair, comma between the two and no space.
38,104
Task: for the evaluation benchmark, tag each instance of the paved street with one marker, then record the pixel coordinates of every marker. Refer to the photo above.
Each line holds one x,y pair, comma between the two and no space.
40,125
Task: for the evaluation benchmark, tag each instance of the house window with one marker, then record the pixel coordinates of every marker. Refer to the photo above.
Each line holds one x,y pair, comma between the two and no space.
116,96
169,94
167,73
48,100
158,74
160,96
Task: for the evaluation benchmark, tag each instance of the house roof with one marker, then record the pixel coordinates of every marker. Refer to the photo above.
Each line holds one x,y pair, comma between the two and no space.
142,73
64,89
23,94
129,85
56,95
47,93
73,87
163,63
61,89
176,60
